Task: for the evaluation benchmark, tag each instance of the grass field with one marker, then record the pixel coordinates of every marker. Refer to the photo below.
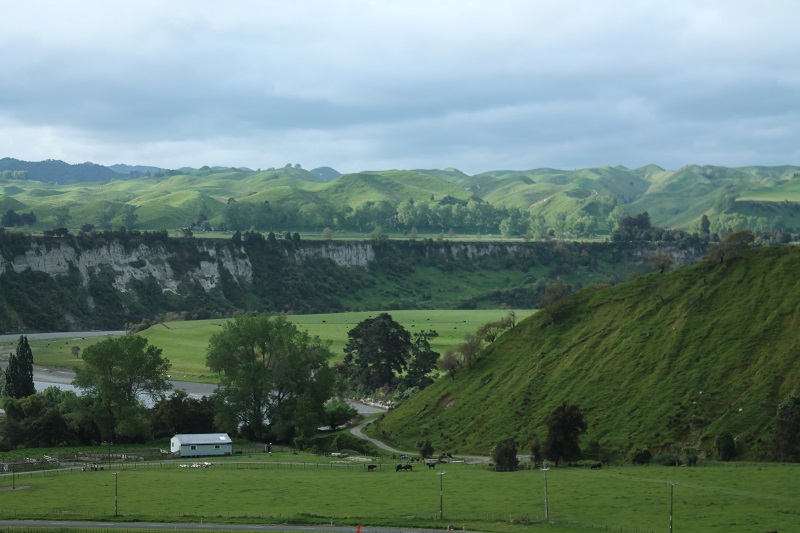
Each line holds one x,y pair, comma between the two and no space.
184,343
729,498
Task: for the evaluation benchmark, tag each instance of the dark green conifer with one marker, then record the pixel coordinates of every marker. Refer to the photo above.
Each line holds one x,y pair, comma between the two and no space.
19,373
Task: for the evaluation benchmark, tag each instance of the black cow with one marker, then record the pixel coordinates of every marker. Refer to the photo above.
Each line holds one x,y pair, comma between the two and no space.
370,468
596,466
431,464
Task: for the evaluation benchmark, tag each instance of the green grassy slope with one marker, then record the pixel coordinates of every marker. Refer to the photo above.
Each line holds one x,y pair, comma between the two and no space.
394,186
679,357
674,199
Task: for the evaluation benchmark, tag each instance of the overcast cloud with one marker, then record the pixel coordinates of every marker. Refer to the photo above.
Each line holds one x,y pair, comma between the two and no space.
377,84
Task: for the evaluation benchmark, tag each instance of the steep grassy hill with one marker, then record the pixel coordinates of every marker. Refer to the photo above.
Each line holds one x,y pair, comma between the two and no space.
667,358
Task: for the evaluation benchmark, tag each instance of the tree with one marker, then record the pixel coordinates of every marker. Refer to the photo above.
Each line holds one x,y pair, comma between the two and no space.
425,449
504,455
492,329
274,378
661,261
705,226
339,413
469,349
553,300
736,241
35,421
726,446
61,216
118,373
564,428
422,360
786,436
19,373
327,234
129,216
449,363
180,413
104,217
376,349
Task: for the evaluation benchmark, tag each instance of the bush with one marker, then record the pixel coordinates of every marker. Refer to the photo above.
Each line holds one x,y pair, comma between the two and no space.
786,437
642,457
425,449
666,459
689,456
726,446
504,456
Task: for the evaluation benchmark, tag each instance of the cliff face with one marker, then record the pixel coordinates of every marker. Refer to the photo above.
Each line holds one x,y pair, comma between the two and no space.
105,282
153,260
131,263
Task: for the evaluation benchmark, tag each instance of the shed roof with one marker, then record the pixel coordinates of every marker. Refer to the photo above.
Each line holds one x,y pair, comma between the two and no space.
204,438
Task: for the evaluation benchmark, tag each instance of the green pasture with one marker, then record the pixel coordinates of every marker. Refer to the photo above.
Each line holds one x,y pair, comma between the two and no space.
724,498
184,343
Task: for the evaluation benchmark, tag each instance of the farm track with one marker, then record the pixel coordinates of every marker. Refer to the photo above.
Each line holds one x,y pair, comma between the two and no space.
358,432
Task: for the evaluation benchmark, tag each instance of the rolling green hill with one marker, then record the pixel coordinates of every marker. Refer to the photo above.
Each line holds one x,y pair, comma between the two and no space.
546,201
393,186
665,359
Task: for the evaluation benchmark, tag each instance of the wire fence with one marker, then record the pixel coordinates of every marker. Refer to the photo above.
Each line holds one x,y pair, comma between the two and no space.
9,480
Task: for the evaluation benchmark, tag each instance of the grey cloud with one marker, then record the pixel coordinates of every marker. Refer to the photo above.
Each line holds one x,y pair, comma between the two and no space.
476,85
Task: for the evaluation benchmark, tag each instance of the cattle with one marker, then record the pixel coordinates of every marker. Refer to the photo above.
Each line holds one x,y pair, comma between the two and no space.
370,468
402,467
431,464
407,467
596,466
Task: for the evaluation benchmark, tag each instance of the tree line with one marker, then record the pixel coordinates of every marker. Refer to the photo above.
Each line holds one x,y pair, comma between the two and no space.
445,215
275,385
12,219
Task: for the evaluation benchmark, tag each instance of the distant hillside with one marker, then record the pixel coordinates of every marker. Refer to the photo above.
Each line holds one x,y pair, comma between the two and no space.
666,360
534,204
137,170
326,173
59,171
448,174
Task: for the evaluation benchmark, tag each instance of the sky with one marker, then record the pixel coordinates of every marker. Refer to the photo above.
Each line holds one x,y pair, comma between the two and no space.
358,85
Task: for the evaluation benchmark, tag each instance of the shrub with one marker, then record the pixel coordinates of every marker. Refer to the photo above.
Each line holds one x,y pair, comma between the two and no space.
689,456
425,448
786,437
666,459
726,446
641,457
504,455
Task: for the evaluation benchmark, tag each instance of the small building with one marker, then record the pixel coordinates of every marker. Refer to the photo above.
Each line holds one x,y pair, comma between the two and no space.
201,444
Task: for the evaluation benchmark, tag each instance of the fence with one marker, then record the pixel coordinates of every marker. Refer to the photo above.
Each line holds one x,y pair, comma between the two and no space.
95,513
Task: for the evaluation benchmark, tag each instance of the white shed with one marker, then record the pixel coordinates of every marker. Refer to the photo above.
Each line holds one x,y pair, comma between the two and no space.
197,445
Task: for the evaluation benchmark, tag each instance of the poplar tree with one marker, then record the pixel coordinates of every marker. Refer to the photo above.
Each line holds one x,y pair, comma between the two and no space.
19,373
